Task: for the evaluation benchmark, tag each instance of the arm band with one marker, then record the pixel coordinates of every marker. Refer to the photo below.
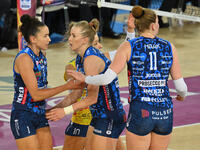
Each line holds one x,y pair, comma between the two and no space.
112,54
102,79
68,110
130,36
181,87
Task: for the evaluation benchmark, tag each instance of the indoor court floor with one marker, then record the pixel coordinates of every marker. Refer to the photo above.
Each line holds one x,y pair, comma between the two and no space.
186,132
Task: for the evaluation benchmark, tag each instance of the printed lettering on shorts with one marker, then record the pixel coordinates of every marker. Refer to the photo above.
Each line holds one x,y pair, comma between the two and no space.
97,131
145,113
161,115
110,127
76,131
128,120
17,126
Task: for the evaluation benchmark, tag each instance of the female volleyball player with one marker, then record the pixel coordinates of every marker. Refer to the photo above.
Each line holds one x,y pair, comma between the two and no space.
28,123
108,116
150,60
80,120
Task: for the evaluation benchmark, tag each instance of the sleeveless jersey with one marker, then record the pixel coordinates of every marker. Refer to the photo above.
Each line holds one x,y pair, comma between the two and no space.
148,71
84,116
108,104
22,98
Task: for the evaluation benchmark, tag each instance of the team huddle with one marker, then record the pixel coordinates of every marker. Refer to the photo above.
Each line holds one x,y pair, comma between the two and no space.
94,100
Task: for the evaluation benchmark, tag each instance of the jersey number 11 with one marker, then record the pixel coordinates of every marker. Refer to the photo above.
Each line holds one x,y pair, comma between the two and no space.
153,60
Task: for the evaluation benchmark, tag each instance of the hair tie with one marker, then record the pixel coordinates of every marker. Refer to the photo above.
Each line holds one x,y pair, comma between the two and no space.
91,24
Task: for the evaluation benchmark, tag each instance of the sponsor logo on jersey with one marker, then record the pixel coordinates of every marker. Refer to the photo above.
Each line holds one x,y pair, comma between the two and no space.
154,75
166,56
153,99
154,92
138,62
21,94
166,62
151,83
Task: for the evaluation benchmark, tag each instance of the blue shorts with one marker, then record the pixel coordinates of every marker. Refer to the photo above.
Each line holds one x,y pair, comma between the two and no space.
25,123
109,127
92,123
144,118
74,129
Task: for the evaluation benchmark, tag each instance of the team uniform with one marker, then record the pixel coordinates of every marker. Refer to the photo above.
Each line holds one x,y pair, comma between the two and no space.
81,119
27,116
108,115
151,107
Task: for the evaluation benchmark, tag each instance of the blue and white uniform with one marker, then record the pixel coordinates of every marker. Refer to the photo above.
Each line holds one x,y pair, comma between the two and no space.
27,115
108,108
151,107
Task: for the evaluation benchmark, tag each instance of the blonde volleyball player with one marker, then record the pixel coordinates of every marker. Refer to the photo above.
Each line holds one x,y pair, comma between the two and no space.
78,132
77,129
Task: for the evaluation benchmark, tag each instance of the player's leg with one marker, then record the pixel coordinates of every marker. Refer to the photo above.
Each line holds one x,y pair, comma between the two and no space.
88,145
74,143
160,137
103,143
139,126
159,142
136,142
120,144
45,138
106,132
29,136
28,143
75,136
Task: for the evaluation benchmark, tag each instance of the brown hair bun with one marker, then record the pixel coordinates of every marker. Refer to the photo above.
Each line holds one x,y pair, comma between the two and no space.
137,12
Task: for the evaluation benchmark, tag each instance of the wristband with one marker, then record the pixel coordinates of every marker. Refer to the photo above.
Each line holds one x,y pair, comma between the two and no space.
130,36
68,110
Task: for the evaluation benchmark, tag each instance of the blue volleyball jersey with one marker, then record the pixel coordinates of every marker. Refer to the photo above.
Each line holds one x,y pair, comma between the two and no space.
22,98
148,71
108,104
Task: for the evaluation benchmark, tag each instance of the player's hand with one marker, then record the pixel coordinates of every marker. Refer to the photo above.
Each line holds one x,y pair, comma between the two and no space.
75,84
130,23
179,98
77,75
48,110
55,114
